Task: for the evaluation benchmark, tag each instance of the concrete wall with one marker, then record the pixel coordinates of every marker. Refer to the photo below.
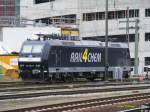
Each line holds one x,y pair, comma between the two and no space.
58,7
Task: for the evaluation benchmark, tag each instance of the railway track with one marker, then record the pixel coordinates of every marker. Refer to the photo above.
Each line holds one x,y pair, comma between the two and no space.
92,103
21,86
56,87
63,85
31,94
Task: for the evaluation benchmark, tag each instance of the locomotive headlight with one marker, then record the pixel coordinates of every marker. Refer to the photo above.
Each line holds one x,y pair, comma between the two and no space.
37,65
45,71
21,65
30,65
35,71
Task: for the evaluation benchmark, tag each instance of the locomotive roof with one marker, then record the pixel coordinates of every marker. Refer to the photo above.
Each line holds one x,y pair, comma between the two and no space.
86,43
81,43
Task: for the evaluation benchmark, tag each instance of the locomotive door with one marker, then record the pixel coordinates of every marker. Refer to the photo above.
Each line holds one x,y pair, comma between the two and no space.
58,58
52,59
55,58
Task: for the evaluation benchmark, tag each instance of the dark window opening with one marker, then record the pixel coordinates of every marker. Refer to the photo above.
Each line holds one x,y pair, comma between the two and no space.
146,69
132,62
69,19
113,38
136,13
147,61
111,15
91,16
42,1
43,20
131,69
121,14
147,12
147,36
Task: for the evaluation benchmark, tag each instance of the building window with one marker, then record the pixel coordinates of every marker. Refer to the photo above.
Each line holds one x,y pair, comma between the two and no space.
147,12
132,62
147,36
121,14
136,13
113,38
146,69
133,13
131,69
147,61
132,38
93,16
111,15
90,16
100,15
69,19
42,1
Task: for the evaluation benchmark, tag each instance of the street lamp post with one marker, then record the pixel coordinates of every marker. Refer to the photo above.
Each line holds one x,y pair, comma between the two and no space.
106,41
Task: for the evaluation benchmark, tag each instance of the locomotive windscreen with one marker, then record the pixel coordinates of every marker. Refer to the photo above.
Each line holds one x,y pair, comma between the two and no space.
28,48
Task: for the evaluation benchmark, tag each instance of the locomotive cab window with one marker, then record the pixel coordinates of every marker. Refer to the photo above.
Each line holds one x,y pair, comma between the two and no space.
27,49
37,48
32,48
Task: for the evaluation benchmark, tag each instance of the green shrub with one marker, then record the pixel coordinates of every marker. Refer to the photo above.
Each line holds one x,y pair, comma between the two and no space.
1,69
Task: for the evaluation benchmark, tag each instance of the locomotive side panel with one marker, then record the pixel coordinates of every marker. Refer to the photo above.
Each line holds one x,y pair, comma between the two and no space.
82,56
67,56
118,57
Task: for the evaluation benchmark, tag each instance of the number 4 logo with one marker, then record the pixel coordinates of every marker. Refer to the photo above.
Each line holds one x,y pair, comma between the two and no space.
85,55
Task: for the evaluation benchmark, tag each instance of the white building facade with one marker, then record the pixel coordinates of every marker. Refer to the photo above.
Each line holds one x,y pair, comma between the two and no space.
90,16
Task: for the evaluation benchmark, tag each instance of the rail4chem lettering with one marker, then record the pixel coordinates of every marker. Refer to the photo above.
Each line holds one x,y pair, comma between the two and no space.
85,57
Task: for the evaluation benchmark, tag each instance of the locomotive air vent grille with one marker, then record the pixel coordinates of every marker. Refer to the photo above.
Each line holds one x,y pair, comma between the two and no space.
68,43
100,44
114,45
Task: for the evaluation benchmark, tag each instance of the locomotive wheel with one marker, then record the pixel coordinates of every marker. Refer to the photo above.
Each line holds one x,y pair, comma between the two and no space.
51,79
71,78
68,79
63,79
91,78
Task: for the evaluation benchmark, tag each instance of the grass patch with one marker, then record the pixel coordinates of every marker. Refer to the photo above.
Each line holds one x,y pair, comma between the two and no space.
1,70
126,106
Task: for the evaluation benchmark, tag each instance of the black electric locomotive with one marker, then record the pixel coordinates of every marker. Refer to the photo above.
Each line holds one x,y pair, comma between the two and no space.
62,59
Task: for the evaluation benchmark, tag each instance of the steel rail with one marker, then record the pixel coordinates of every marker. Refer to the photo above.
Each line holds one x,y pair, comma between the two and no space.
70,92
83,104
